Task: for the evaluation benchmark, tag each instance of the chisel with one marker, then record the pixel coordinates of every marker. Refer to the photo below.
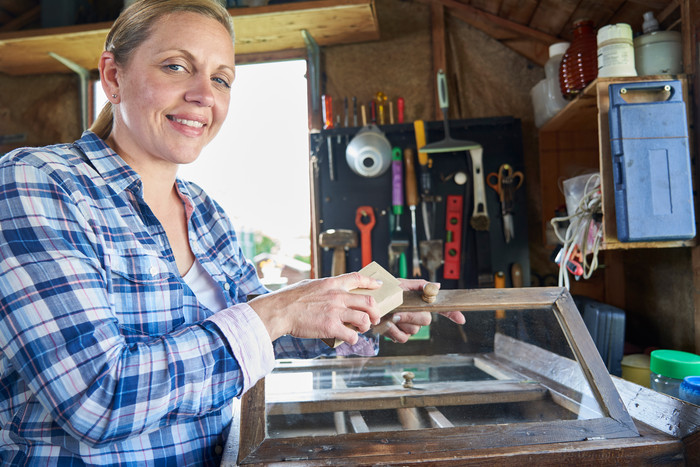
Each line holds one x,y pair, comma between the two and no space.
412,202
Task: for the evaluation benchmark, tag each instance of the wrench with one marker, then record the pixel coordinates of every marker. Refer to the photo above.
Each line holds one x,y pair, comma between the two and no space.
365,220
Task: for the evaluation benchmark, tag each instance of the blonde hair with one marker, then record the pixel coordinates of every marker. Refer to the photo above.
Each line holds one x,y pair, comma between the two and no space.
133,27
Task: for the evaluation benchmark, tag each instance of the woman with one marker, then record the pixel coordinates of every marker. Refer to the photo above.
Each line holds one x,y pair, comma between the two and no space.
125,325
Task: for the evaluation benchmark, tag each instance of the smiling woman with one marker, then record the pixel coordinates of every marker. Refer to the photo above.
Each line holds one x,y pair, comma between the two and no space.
130,319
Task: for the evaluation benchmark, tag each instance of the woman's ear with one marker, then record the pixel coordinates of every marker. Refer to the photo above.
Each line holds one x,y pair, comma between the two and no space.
109,76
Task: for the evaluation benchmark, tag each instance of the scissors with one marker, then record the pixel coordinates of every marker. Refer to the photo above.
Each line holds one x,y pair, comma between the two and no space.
505,182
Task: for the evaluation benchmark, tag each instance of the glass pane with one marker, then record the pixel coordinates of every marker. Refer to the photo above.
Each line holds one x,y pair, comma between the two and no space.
510,366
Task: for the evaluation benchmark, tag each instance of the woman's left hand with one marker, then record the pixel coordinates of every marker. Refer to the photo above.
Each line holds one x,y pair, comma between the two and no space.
401,325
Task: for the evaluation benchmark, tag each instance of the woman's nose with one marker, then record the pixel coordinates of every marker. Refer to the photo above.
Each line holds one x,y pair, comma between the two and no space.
201,92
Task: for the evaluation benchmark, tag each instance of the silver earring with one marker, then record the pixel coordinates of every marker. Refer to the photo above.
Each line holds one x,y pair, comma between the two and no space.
114,96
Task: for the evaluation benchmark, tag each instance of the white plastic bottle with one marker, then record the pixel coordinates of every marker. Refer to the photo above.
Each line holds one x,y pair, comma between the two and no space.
547,99
555,100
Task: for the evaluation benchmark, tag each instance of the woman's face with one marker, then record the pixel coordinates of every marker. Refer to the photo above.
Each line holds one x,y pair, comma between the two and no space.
174,91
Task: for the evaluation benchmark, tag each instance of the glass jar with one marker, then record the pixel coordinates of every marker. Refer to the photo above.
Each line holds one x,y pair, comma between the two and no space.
579,65
669,367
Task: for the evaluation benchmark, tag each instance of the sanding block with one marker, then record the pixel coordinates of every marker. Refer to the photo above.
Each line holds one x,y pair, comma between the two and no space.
388,297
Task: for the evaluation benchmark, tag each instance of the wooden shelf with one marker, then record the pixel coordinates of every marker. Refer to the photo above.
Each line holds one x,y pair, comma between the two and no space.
576,141
258,30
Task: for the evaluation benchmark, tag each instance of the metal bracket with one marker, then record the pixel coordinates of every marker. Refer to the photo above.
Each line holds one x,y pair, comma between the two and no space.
84,76
314,53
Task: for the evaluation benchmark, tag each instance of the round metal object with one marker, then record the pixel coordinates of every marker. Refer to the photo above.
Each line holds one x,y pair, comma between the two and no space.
369,152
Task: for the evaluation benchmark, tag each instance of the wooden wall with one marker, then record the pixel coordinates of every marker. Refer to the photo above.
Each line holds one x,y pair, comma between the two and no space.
44,107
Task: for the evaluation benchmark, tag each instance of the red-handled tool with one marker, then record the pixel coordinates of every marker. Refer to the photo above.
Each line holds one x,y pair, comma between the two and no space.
400,107
453,242
364,220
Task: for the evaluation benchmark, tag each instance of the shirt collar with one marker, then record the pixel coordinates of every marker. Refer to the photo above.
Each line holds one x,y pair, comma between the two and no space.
112,168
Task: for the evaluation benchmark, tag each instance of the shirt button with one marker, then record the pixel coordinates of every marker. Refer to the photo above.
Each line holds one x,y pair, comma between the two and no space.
218,449
227,286
153,271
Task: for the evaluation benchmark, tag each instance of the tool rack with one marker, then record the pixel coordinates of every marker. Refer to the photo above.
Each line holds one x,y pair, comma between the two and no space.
335,201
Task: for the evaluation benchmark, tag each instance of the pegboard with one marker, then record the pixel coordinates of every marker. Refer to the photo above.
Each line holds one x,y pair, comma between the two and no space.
336,200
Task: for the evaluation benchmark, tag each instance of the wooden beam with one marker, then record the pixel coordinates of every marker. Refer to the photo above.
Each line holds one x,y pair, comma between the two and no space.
532,44
22,20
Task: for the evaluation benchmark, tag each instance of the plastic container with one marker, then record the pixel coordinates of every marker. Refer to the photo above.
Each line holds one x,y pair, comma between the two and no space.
555,99
659,53
547,99
579,65
538,93
669,368
635,368
690,389
615,51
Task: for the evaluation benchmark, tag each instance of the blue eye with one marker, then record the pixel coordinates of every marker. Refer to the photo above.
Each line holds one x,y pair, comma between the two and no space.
175,67
222,81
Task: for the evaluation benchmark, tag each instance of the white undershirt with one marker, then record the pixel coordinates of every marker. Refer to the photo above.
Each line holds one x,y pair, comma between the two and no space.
205,287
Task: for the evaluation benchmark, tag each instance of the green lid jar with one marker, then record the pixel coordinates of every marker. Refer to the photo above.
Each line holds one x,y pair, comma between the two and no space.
669,367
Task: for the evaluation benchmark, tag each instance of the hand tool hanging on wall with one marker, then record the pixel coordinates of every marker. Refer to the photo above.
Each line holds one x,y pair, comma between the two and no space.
447,144
504,183
354,111
380,100
400,109
454,210
425,181
327,103
365,221
399,238
412,202
480,222
339,240
480,215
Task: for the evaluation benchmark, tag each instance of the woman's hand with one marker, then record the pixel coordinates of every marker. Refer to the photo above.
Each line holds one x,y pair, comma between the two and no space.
320,308
402,325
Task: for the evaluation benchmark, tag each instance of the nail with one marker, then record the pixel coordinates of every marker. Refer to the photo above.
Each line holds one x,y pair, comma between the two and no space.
396,318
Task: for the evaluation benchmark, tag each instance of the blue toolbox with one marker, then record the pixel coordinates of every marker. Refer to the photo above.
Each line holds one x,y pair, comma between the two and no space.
651,162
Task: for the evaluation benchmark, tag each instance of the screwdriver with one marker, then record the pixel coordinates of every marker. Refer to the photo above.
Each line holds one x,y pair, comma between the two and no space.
412,202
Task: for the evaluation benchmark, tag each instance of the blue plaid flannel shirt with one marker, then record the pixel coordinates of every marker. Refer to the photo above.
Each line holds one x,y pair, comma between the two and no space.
106,356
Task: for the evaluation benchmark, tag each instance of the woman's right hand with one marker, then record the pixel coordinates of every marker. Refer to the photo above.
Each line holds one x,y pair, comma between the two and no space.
320,308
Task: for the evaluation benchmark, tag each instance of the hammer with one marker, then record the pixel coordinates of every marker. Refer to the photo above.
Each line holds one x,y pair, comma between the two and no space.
340,240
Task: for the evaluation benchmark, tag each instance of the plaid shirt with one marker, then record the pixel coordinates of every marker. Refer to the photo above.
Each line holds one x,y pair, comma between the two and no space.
106,356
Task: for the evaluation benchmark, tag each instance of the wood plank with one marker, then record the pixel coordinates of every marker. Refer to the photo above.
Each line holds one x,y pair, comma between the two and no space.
254,429
528,42
437,418
554,16
396,397
357,422
483,299
599,11
489,6
518,11
439,443
258,30
22,20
